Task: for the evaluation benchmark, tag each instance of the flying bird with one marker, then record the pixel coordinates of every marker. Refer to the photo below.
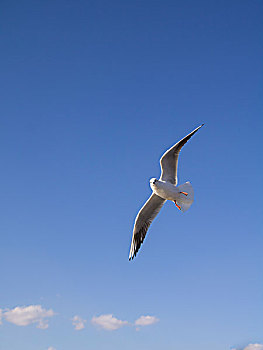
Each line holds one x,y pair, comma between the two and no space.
163,189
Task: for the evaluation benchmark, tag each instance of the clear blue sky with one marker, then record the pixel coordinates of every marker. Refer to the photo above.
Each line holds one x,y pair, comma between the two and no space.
92,93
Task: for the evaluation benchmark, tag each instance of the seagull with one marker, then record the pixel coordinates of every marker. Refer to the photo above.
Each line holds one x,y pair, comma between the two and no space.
163,189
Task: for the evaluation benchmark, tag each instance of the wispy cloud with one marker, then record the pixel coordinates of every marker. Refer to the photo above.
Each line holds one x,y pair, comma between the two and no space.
51,348
26,315
108,322
254,347
36,314
78,323
146,321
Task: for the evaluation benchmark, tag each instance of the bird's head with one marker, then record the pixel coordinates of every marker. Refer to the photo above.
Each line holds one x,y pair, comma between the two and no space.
153,181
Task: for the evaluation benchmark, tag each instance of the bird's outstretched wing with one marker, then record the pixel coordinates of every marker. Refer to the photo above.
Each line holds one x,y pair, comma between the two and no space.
143,220
169,160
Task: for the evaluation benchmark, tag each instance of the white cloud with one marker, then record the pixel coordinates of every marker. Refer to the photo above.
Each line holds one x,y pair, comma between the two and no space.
51,348
108,322
78,323
146,320
25,315
254,347
1,313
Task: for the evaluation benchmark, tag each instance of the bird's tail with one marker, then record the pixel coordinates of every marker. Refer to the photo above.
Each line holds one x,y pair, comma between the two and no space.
186,196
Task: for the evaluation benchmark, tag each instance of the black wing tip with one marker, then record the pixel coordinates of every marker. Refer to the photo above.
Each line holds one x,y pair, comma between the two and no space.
132,257
136,250
139,241
200,126
195,130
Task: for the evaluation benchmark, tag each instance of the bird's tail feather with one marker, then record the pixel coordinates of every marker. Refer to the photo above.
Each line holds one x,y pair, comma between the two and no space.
185,201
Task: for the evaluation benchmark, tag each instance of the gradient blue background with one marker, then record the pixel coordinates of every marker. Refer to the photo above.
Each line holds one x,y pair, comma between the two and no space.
92,93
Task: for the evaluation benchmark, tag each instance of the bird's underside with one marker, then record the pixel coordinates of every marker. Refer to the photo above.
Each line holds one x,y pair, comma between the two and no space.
169,164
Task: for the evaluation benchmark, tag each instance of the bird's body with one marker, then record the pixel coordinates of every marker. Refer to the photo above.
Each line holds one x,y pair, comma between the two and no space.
163,189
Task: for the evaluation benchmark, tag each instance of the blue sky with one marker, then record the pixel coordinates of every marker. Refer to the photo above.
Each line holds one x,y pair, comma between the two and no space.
92,94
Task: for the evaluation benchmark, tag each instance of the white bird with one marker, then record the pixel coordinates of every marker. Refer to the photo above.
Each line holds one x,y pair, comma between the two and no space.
163,189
